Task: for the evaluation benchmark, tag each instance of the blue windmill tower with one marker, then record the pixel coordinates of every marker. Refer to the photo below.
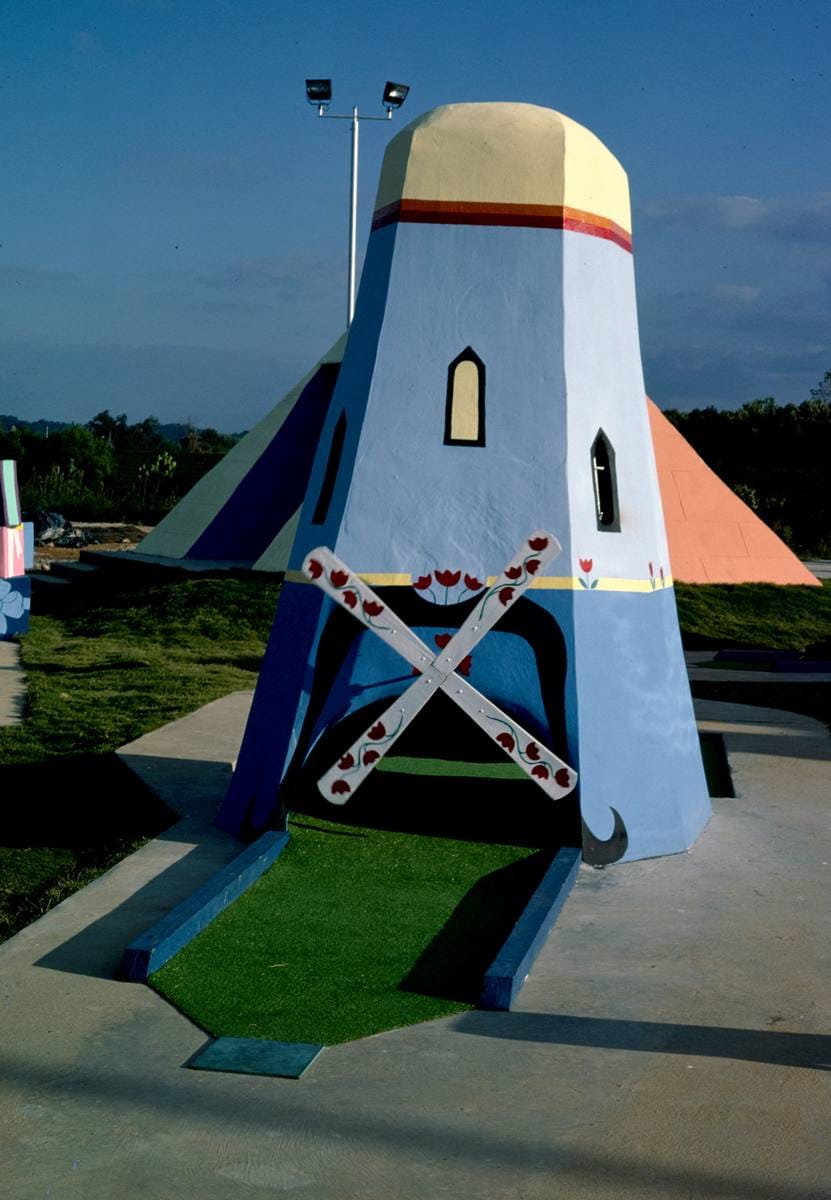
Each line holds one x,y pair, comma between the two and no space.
492,386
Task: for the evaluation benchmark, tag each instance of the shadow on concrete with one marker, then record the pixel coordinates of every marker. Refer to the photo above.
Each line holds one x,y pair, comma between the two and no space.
232,1106
770,745
97,949
777,1048
454,963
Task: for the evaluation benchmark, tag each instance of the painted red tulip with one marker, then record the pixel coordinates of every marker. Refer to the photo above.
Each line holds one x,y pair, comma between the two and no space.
532,750
423,582
662,575
562,777
346,762
448,579
507,741
586,564
473,584
350,598
339,578
540,771
341,786
372,608
441,640
465,665
370,756
377,732
314,568
513,572
506,595
651,572
532,566
538,543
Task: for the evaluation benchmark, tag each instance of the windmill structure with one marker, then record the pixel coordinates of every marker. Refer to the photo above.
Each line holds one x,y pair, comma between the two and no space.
491,385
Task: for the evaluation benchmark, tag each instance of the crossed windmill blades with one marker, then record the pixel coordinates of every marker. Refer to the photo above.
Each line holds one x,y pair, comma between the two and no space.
437,672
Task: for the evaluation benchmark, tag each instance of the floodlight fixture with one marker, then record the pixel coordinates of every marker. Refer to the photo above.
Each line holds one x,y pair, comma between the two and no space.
394,96
319,93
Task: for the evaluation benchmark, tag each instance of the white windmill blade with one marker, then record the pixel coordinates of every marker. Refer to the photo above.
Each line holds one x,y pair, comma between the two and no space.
334,577
345,777
536,552
343,586
543,766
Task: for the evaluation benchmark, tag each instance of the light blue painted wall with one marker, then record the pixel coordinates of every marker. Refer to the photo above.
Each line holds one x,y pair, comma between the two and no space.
553,317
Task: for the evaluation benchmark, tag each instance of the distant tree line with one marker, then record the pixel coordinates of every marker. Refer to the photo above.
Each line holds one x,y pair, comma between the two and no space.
776,457
107,469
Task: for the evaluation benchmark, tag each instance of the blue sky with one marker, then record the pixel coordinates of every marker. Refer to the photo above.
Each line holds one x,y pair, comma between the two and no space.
173,217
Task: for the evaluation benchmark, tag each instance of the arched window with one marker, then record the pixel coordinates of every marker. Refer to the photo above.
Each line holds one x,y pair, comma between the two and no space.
331,472
605,484
464,418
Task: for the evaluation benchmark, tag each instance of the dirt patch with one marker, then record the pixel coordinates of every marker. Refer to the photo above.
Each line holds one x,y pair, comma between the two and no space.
114,538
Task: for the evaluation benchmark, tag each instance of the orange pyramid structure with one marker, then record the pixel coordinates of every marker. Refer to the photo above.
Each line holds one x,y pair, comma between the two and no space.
713,536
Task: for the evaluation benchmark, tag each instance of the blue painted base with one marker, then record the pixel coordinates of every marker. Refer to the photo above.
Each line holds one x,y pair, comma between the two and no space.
15,602
167,937
250,1056
509,970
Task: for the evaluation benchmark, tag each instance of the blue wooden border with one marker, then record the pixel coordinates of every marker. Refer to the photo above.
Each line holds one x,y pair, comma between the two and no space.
167,937
509,970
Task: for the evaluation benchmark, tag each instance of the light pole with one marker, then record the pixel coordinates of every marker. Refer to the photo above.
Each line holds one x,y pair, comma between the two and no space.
319,93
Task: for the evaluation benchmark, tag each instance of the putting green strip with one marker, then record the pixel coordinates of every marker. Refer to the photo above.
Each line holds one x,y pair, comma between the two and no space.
443,766
353,931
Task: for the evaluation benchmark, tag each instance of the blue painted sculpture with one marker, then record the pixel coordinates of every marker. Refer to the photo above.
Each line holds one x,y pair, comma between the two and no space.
492,385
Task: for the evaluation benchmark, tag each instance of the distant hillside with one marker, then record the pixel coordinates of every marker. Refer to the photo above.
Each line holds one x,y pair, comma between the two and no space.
172,433
42,428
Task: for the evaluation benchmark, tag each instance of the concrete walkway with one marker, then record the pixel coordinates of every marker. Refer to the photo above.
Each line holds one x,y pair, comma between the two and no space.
12,684
672,1042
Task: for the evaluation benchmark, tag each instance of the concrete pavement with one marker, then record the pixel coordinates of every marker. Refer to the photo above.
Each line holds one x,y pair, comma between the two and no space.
672,1041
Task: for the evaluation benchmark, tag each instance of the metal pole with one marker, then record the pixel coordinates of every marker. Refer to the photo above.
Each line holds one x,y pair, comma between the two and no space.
353,220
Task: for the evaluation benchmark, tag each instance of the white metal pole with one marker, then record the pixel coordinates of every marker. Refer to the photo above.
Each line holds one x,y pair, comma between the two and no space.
353,220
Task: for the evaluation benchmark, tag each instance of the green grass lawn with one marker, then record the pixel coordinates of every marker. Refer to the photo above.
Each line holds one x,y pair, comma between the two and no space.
719,616
351,932
109,663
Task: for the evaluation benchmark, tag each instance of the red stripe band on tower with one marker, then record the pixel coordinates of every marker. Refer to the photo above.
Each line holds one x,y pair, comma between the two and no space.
530,216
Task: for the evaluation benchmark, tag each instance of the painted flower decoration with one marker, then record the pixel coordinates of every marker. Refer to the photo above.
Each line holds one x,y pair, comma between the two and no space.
448,579
473,584
585,580
538,544
422,583
11,605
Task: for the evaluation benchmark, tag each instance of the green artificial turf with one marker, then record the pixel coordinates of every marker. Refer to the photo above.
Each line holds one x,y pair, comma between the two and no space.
351,932
109,663
440,767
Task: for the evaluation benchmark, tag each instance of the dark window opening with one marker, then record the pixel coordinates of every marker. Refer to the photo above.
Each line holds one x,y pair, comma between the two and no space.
464,414
331,473
605,484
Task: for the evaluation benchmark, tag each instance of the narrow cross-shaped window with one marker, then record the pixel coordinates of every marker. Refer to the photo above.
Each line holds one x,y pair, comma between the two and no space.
605,484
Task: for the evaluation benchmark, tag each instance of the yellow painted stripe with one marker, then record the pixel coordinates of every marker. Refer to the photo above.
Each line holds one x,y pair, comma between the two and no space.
546,583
